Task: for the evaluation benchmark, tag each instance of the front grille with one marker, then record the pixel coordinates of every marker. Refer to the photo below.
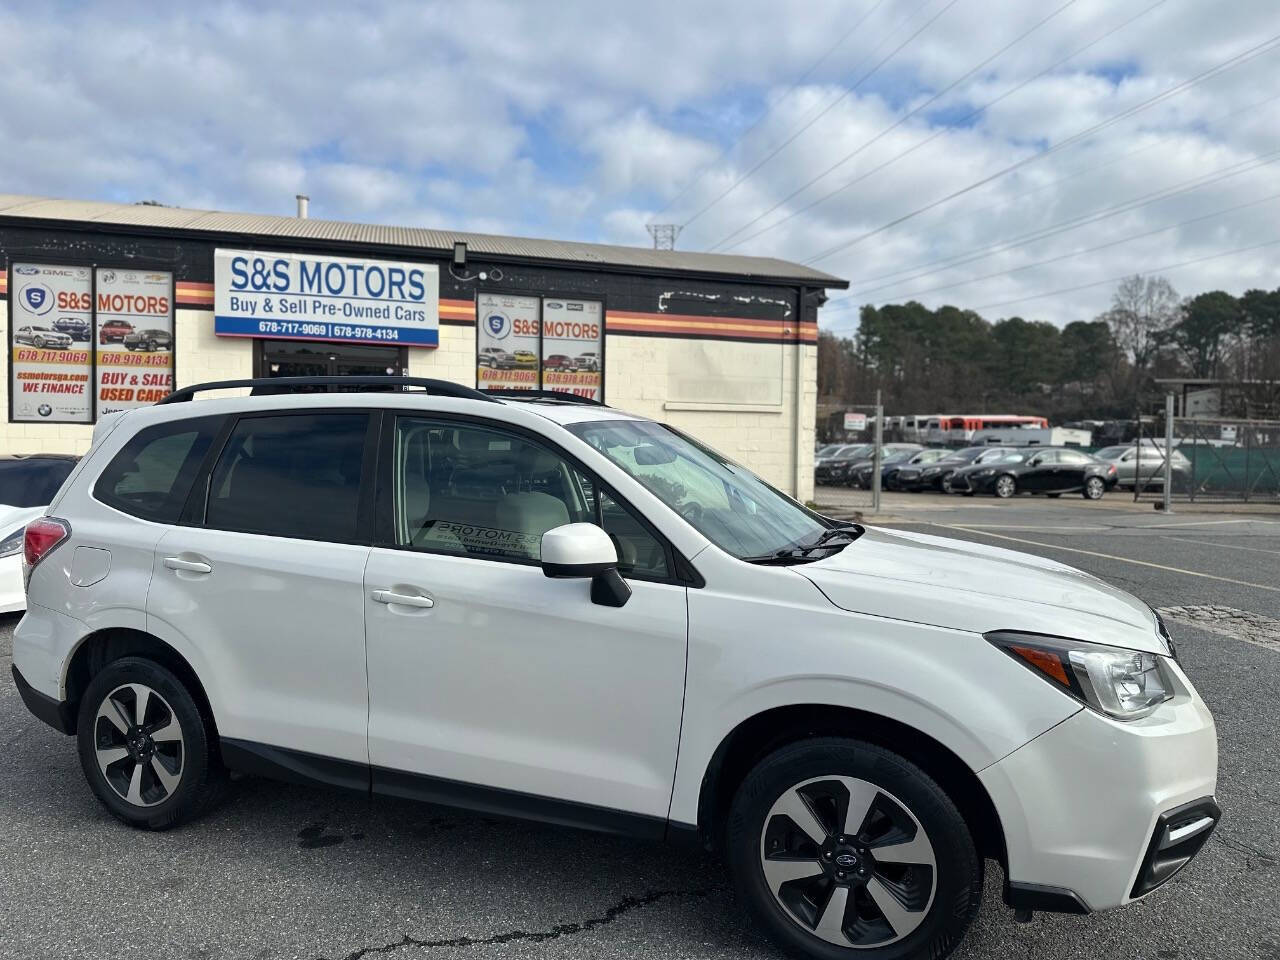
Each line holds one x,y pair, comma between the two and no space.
1179,835
959,483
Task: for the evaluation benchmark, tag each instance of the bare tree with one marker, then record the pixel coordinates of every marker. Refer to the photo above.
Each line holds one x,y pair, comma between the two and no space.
1142,308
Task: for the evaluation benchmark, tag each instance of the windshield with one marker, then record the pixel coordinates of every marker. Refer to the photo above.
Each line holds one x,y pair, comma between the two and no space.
31,483
726,503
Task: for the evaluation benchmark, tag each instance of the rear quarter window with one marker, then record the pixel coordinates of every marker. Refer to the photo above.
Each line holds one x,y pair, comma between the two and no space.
152,474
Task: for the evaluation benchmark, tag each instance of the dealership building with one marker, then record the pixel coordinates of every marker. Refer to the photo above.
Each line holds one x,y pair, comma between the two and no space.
112,306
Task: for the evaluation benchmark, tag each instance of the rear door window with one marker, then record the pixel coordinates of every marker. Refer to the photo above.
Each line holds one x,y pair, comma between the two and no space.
291,476
152,474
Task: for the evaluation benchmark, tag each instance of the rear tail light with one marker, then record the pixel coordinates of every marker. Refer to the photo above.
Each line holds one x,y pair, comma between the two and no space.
42,536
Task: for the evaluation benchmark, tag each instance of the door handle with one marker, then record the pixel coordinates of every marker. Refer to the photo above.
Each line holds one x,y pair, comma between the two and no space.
191,566
405,599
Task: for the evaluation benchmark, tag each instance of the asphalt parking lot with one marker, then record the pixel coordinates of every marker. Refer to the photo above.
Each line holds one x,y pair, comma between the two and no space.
284,871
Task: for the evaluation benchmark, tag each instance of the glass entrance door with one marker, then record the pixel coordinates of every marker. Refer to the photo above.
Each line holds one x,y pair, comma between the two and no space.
306,358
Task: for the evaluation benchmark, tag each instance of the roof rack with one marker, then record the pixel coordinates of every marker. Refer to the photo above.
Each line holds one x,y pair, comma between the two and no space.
561,396
267,386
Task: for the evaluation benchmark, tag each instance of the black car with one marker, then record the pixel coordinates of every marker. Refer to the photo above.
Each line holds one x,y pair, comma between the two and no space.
1049,470
31,480
73,327
893,453
937,475
835,468
917,461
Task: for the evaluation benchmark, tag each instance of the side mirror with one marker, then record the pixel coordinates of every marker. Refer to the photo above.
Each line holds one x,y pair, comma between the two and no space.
584,551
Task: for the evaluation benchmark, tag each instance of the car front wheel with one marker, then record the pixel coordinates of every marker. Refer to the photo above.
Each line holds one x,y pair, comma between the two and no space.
1005,487
1094,488
843,849
146,750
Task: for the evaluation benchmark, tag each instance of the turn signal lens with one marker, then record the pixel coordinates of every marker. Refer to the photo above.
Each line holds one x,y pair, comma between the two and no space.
1122,684
42,536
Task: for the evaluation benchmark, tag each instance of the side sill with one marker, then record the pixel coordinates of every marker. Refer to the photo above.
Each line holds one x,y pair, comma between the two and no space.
293,766
1034,896
518,806
56,713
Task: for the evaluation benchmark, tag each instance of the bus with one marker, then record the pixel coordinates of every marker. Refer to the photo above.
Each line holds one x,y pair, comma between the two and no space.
955,430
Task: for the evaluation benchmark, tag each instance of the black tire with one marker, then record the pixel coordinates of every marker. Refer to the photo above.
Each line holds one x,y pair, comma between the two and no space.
945,484
1053,496
957,890
1005,490
202,780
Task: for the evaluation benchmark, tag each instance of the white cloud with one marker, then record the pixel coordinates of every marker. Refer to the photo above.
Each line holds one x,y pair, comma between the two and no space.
581,120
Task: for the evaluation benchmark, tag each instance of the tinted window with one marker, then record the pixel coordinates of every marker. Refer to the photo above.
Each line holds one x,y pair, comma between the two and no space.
151,476
291,476
475,491
640,553
32,483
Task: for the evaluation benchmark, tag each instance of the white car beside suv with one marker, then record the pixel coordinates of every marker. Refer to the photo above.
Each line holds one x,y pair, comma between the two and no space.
548,608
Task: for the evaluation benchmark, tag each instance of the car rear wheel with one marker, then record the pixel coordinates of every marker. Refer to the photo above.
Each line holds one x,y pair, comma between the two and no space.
946,484
1005,487
145,748
843,849
1094,488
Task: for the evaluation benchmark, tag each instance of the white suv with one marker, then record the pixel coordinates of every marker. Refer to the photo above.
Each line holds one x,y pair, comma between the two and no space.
548,608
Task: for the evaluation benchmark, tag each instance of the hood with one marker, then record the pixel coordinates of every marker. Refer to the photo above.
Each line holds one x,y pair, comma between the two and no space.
974,587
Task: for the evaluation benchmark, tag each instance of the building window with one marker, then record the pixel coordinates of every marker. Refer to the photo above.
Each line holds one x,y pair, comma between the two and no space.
86,341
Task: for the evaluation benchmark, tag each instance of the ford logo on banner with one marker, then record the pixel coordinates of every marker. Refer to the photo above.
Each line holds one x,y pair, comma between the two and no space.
37,298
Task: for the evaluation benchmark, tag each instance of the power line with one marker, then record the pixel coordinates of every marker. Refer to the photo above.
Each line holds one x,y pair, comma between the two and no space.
1079,253
770,108
1045,186
889,129
1074,223
1099,283
1247,55
849,90
946,129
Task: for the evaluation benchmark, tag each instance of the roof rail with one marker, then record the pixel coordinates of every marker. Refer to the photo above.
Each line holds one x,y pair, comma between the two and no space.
562,396
266,386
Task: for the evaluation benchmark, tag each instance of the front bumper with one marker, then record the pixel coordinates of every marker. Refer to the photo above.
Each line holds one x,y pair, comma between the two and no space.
1104,812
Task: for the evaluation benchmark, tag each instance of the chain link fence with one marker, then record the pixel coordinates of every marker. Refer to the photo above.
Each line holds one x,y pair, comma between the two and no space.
1212,460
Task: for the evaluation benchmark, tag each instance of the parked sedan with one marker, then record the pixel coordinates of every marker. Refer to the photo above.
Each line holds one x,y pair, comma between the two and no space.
860,473
1145,465
893,466
937,475
835,468
74,327
1049,470
27,485
42,337
149,340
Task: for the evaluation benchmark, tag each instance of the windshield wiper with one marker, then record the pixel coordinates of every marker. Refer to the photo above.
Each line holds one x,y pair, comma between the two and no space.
799,552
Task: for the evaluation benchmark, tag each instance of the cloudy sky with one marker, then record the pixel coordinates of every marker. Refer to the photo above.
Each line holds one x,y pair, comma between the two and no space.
742,119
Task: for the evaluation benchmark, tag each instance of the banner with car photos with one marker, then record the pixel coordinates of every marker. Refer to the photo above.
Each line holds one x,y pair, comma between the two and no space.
573,347
506,342
134,337
51,319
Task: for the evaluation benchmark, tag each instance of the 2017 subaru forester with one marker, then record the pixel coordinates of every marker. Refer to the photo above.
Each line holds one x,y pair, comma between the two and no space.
549,608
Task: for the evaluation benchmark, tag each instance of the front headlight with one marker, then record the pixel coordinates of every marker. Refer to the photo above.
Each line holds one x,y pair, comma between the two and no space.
12,543
1122,684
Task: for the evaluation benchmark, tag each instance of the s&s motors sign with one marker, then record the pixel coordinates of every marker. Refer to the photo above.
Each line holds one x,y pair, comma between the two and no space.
298,296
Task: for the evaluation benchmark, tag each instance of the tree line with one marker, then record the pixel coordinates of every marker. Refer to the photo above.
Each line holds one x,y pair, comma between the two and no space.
952,359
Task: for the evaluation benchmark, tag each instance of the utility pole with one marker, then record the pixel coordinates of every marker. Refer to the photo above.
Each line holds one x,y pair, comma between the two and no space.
664,234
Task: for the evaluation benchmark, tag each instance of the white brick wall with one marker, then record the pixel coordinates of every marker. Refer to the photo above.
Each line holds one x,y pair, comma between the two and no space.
761,436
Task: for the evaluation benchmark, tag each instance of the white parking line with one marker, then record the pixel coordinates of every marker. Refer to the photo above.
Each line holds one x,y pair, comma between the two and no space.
1224,546
1108,556
1199,523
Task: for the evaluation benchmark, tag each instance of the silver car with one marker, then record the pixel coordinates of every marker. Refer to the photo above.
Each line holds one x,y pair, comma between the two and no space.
42,337
1145,464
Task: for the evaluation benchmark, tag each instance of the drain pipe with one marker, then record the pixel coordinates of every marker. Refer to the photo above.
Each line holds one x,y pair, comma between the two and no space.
303,201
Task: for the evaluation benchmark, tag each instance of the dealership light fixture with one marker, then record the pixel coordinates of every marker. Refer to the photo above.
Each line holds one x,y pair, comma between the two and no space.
459,253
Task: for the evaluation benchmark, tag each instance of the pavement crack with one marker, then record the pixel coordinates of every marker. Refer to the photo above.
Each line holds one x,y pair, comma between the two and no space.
611,915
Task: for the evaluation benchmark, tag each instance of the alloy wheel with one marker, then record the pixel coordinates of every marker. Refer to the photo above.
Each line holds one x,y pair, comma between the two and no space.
1005,486
1094,488
946,484
138,744
848,862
